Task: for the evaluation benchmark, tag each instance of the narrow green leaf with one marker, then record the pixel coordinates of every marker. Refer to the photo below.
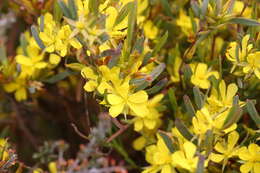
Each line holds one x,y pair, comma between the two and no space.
24,43
64,9
131,25
157,87
3,57
195,8
198,97
204,7
93,6
166,7
58,77
200,165
123,13
209,142
253,112
57,12
160,44
173,100
168,141
244,21
183,129
75,66
35,35
157,71
233,116
189,107
73,9
42,23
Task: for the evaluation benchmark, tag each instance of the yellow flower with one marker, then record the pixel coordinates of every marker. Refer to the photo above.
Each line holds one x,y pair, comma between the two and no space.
253,64
174,69
184,22
186,158
159,156
200,75
122,100
236,53
89,74
18,87
57,39
139,143
204,121
222,97
3,148
251,158
152,119
150,30
52,167
226,149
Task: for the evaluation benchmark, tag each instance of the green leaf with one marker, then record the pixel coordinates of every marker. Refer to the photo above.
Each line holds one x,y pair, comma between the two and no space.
35,35
157,71
123,13
73,9
244,21
173,100
24,44
198,97
75,66
64,9
200,165
168,141
131,25
209,142
253,113
42,23
93,6
160,44
57,12
233,116
183,129
3,57
157,87
195,8
189,107
166,7
204,7
58,77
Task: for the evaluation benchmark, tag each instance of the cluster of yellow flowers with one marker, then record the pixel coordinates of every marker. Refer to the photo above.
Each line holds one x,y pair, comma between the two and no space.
117,48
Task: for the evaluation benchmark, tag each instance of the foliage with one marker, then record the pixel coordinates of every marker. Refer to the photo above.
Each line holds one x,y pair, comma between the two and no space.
177,81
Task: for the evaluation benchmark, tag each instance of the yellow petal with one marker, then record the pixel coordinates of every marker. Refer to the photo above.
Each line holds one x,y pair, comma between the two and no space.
21,94
54,59
232,140
245,168
139,143
88,73
150,124
166,169
23,60
75,43
139,109
257,167
52,167
11,87
231,91
41,65
138,125
139,97
90,86
114,99
115,110
216,157
189,149
243,153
